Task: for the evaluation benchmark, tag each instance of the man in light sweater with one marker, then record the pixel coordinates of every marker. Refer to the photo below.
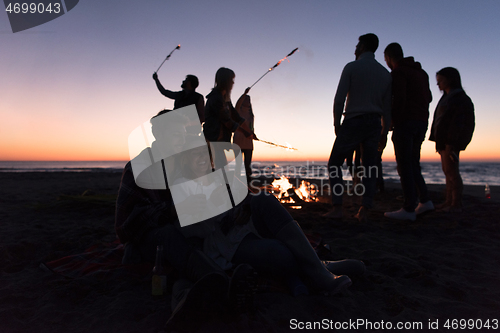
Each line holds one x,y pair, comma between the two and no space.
367,86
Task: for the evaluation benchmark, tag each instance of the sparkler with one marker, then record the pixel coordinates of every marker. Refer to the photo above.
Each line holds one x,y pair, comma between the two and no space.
178,47
277,145
277,64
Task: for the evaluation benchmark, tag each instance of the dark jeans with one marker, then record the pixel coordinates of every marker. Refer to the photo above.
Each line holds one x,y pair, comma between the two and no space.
362,130
267,255
407,138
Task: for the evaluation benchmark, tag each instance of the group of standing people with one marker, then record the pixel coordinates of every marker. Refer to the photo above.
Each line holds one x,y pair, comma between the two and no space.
373,102
259,234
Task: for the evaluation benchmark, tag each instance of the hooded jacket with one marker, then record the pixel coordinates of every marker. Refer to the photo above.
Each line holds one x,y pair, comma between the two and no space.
410,91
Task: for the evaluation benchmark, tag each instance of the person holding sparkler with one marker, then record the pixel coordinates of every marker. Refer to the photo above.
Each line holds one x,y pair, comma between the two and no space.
187,96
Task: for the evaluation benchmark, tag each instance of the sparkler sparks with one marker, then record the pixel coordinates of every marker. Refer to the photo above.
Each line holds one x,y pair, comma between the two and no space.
288,146
277,64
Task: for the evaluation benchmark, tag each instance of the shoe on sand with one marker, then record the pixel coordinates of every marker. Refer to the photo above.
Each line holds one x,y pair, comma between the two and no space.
424,207
401,214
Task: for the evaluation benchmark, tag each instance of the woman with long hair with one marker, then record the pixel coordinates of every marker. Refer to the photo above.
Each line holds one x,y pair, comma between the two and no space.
221,118
452,130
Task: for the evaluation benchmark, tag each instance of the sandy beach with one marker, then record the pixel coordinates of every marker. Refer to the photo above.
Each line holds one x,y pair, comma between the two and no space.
438,268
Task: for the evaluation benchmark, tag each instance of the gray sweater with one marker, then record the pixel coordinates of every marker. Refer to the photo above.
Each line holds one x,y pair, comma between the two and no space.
367,86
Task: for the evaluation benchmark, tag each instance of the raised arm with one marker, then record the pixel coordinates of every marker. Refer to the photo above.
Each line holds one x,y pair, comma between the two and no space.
163,91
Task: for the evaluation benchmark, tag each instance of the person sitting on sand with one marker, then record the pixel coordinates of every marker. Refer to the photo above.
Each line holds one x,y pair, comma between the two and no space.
452,130
258,232
145,215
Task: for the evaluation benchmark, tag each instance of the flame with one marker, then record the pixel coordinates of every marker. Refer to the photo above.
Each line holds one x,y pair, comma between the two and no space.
296,207
283,185
304,192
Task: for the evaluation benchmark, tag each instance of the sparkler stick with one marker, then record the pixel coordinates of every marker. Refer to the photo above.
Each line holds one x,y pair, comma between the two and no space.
168,57
277,64
277,145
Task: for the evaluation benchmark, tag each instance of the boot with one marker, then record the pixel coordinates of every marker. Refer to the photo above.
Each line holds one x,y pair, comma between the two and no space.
293,237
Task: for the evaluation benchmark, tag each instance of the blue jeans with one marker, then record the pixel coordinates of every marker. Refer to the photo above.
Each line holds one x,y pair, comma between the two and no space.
407,139
362,130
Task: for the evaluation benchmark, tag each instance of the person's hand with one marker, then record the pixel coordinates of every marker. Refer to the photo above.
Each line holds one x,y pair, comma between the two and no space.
155,76
382,143
247,90
254,137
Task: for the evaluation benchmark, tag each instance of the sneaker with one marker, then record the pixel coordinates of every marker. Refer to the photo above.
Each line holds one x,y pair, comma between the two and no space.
424,207
401,214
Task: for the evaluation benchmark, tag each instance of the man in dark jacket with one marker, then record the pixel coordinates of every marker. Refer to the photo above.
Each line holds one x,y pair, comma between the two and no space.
187,96
410,113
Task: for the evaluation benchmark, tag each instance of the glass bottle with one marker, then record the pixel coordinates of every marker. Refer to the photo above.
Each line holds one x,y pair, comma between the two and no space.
487,192
159,279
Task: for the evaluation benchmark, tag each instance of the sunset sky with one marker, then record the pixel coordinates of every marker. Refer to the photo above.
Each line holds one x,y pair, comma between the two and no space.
76,87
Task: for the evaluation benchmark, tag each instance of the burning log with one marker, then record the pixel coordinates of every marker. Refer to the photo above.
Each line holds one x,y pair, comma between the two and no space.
284,191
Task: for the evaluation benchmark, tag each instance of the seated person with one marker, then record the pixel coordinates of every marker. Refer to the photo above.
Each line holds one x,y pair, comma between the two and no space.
259,231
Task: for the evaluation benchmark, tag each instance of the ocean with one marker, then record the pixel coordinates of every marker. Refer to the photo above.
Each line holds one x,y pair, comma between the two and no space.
473,173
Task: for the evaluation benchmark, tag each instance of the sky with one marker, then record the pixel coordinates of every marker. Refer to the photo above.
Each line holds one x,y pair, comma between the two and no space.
74,88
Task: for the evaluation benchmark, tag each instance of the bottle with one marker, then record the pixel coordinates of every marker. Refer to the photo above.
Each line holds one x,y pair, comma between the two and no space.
487,192
159,280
